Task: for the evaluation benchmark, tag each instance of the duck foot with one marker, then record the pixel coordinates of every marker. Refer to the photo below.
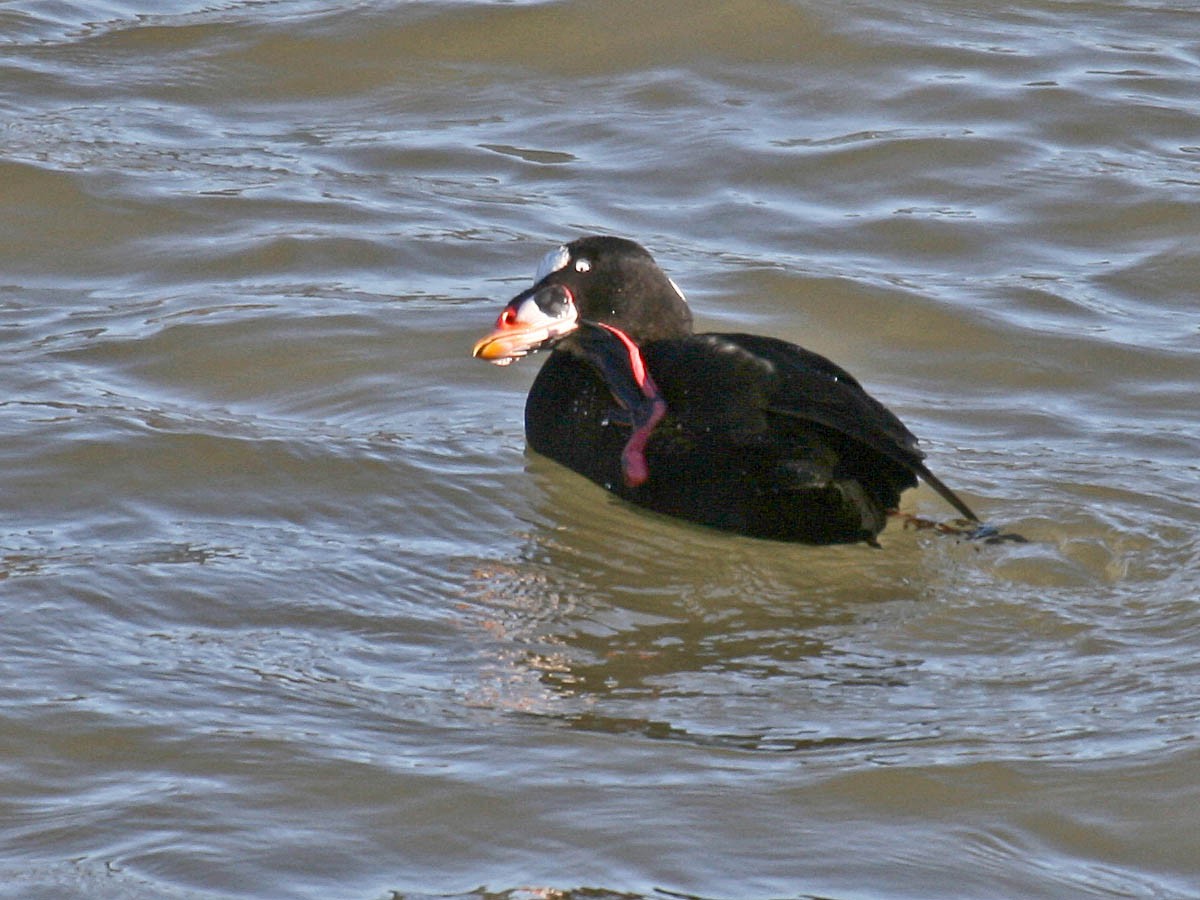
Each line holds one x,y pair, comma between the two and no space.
964,528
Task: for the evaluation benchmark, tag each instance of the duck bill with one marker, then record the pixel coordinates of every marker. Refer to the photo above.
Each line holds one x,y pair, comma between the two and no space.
532,320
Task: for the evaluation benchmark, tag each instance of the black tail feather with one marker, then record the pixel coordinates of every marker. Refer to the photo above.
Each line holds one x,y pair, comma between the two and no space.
948,495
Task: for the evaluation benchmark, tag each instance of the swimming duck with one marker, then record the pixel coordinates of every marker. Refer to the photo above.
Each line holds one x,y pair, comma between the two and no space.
740,432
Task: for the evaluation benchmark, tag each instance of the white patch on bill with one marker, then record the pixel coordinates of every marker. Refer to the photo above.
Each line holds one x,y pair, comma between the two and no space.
552,262
529,313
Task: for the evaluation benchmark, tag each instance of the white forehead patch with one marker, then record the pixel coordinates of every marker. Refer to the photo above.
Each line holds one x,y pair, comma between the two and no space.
552,262
677,290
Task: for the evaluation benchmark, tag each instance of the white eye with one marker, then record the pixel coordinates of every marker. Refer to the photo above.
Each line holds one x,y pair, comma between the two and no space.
552,262
583,265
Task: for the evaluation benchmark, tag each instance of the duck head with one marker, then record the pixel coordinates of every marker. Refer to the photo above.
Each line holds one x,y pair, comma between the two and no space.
600,280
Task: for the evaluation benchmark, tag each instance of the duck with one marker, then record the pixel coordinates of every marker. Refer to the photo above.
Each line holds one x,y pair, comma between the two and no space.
739,432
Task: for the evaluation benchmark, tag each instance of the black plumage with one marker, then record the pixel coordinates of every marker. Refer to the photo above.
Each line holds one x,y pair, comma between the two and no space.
735,431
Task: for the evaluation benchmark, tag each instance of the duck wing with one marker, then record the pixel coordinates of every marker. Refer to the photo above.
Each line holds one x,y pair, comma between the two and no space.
741,386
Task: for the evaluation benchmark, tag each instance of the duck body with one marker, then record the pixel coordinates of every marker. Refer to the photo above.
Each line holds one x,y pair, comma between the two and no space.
733,451
739,432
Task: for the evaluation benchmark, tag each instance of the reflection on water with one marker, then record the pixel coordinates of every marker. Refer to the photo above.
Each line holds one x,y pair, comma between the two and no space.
640,619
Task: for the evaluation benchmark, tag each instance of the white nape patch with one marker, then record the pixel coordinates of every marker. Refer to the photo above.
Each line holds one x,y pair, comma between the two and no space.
583,265
553,261
677,290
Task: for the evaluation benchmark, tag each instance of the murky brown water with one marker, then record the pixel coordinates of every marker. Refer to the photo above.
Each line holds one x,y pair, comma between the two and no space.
286,609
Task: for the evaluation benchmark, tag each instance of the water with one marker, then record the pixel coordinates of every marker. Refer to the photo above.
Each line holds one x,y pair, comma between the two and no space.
287,610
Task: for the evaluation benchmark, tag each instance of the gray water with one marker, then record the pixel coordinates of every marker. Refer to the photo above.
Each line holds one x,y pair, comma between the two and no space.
288,610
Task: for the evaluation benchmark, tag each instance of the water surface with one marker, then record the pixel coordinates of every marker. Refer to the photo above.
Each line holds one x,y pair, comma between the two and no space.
288,610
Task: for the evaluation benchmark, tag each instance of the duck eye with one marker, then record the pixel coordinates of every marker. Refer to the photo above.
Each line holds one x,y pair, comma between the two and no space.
583,265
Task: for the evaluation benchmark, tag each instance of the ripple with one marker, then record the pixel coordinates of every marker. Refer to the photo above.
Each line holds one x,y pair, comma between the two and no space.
291,609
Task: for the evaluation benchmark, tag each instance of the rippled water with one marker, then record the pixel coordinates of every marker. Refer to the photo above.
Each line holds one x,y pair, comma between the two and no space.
286,608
